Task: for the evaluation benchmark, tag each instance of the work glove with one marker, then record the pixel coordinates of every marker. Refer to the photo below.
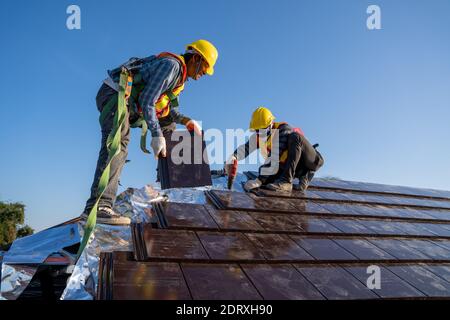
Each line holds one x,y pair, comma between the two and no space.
252,184
229,164
158,145
192,125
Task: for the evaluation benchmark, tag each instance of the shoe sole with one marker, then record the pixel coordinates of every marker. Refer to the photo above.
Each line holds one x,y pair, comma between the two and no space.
114,221
277,189
110,221
300,189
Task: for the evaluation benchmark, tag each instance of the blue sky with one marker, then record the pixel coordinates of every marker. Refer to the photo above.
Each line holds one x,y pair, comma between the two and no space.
378,102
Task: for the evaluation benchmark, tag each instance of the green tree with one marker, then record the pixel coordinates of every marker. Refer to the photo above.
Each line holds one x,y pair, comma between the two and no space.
12,217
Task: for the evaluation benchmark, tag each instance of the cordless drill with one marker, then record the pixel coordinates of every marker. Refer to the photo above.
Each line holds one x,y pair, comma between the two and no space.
232,172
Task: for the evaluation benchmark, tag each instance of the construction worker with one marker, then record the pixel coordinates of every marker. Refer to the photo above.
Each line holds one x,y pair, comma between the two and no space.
157,82
295,156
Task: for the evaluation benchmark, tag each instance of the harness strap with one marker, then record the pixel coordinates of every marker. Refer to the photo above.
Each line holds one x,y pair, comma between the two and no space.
133,91
173,99
140,122
144,129
113,145
108,108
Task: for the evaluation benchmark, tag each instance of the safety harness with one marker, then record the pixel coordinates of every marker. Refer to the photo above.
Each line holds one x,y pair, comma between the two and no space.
130,87
265,144
165,101
113,144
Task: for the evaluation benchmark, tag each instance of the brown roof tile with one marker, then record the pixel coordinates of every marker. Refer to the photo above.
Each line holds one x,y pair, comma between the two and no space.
266,245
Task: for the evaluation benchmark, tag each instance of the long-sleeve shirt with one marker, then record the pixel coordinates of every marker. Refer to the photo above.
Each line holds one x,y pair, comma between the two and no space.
159,75
251,145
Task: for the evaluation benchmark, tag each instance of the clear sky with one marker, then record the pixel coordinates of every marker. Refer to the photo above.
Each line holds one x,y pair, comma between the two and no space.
378,102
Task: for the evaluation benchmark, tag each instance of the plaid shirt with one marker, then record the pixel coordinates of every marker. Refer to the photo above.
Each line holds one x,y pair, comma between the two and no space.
159,75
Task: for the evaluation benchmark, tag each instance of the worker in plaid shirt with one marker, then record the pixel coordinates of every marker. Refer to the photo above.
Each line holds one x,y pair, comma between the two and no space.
158,81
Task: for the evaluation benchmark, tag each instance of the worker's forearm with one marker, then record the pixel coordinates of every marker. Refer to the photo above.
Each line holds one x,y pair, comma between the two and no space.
152,121
178,117
243,151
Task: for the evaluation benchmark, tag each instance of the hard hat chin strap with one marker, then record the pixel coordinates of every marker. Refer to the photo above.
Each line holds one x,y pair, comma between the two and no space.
269,130
265,132
195,53
199,64
191,51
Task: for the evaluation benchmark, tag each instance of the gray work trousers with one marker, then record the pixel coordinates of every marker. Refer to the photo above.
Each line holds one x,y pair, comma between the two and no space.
109,196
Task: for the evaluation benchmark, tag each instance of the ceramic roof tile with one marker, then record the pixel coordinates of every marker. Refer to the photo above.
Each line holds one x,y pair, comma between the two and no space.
315,245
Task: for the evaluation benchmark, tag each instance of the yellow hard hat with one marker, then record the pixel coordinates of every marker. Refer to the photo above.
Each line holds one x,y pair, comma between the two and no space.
207,50
261,119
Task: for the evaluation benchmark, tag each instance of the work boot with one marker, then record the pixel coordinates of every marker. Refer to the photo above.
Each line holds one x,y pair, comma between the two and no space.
304,181
280,186
107,215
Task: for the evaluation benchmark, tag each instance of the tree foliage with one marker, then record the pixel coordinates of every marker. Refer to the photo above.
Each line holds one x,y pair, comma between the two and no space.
12,217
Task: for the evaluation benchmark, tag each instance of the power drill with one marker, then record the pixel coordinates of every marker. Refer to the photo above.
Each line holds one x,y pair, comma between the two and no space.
232,172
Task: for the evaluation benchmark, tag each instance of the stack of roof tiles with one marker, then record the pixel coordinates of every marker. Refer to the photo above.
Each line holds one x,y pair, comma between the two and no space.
193,171
267,245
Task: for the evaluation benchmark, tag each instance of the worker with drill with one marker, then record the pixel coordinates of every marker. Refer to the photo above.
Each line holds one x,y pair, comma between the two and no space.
278,142
157,82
